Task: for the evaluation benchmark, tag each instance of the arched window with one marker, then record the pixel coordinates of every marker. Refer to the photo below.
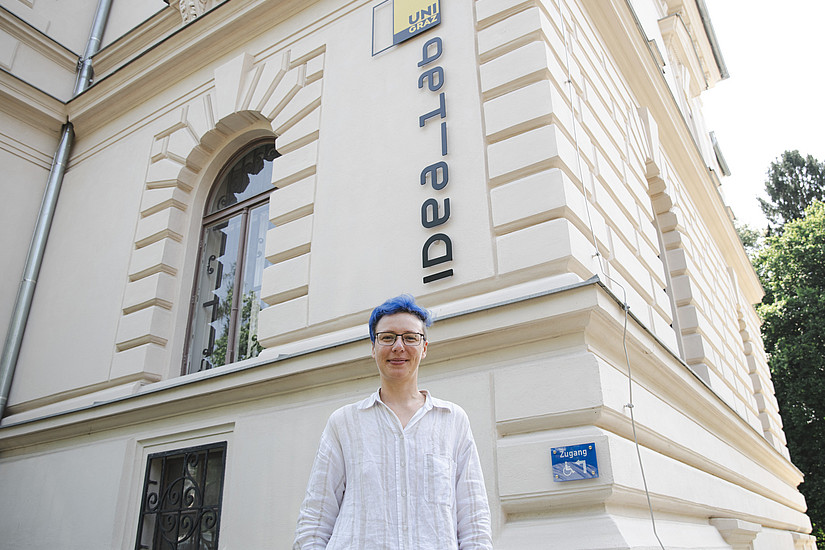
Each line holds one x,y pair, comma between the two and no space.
227,299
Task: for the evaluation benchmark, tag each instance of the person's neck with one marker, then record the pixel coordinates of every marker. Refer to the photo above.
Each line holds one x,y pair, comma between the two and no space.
401,395
404,400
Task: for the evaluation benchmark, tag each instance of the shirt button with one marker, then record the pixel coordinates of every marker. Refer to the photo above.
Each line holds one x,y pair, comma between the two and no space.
403,494
403,464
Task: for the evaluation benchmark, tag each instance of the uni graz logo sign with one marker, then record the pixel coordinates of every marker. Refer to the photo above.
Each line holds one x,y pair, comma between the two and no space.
411,17
394,21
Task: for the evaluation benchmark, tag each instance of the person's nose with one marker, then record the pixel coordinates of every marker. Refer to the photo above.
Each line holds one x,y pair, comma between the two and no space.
398,344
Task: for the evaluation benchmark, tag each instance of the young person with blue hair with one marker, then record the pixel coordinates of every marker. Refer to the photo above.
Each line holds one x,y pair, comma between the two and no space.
400,469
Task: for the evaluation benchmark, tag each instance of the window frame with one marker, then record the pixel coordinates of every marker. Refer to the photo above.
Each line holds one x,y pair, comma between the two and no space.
206,220
143,514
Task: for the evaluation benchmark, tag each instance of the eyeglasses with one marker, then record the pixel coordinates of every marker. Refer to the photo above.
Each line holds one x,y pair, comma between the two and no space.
389,338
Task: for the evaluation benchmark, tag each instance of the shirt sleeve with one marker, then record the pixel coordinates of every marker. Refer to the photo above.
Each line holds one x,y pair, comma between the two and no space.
325,491
472,510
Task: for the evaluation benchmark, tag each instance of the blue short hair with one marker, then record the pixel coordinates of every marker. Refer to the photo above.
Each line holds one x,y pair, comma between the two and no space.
400,304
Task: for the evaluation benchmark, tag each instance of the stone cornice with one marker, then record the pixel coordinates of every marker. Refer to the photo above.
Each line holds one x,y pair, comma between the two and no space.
687,393
697,27
677,39
586,309
140,39
29,104
24,151
621,32
38,41
132,72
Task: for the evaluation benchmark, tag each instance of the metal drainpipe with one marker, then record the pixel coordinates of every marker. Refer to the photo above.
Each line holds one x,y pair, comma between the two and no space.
85,72
25,293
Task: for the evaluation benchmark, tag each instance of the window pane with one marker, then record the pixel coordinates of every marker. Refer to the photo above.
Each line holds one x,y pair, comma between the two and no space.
250,175
255,262
213,308
181,504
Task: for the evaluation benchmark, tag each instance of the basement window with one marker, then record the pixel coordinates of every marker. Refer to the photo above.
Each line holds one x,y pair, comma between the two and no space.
181,499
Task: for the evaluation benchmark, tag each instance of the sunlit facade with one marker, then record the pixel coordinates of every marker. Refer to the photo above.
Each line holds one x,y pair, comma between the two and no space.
246,180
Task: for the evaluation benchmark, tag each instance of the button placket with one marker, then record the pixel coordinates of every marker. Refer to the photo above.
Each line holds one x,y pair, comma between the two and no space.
401,489
404,484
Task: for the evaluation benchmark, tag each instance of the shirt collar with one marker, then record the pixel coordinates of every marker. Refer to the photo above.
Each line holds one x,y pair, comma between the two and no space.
430,402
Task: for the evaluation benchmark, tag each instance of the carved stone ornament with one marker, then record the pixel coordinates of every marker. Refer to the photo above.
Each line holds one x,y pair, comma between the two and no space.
191,9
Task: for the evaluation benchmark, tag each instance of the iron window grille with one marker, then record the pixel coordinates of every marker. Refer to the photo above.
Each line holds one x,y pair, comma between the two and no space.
181,500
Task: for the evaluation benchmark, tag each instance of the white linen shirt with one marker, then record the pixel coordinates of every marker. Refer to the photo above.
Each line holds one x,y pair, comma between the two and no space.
377,486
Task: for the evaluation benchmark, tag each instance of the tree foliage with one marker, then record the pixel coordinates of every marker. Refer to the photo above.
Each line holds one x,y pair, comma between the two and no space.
793,183
791,267
749,237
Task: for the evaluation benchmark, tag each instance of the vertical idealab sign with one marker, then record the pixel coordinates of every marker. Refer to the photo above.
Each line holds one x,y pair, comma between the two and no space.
411,17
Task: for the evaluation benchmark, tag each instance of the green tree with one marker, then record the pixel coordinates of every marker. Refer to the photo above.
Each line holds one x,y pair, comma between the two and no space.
791,266
750,237
793,183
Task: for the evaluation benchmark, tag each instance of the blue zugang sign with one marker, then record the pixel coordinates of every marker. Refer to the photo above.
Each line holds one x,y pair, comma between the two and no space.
411,17
574,462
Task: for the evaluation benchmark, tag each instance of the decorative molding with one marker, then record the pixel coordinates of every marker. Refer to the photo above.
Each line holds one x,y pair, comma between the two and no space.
739,534
701,43
24,151
617,25
282,94
31,105
163,53
680,45
8,50
761,385
35,58
803,541
142,38
191,9
528,120
38,41
344,356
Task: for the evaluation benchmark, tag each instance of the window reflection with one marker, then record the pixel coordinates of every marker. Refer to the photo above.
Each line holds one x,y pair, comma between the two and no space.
224,329
247,338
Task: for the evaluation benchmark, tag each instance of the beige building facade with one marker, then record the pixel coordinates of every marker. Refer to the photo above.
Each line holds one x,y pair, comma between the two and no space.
538,173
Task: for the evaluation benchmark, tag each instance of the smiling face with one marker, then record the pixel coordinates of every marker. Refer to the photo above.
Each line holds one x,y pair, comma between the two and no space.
398,363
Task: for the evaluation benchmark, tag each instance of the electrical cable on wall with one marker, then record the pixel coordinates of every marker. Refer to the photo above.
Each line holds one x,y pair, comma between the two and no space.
600,259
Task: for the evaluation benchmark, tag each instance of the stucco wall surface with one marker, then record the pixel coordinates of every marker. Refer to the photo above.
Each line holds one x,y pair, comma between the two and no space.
528,381
585,226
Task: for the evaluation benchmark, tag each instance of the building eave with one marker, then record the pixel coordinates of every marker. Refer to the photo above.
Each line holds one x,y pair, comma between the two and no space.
30,104
711,36
147,63
623,35
586,311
